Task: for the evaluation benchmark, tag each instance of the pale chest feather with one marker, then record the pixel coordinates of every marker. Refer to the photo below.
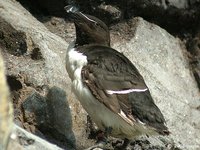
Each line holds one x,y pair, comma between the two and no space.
74,63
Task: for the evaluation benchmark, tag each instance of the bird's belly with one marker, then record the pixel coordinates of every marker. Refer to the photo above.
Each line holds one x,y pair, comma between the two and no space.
102,116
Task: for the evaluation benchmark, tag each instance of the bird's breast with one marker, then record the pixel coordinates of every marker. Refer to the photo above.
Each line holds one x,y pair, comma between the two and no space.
74,63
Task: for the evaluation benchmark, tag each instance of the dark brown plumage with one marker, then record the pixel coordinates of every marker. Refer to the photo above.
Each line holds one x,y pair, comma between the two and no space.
109,80
118,73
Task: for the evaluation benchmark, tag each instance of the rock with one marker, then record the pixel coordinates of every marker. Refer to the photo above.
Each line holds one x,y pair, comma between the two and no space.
59,115
196,72
36,67
35,111
174,15
14,41
6,111
162,61
110,13
194,2
193,46
180,4
48,7
38,72
21,139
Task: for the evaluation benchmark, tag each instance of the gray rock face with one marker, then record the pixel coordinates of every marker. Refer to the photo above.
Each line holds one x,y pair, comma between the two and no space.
59,116
6,110
35,108
22,140
194,49
40,85
38,71
181,4
161,60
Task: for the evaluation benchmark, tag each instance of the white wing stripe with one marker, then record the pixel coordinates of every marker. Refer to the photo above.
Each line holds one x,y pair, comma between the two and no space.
125,91
88,18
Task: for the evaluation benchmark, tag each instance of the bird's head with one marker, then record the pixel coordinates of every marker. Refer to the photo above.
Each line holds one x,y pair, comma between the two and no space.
89,29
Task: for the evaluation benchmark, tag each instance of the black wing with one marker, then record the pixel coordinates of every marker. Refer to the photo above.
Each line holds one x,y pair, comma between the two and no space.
116,83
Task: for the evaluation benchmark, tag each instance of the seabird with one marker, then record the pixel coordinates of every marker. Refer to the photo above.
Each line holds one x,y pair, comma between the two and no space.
107,84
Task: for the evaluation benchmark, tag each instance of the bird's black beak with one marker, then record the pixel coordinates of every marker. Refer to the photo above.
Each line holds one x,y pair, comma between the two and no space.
73,13
71,9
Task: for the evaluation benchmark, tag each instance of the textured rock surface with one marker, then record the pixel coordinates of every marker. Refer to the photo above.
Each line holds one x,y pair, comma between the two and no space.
41,91
194,48
162,61
6,111
23,140
171,14
35,67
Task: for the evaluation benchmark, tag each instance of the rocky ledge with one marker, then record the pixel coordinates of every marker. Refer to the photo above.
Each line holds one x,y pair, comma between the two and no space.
46,113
